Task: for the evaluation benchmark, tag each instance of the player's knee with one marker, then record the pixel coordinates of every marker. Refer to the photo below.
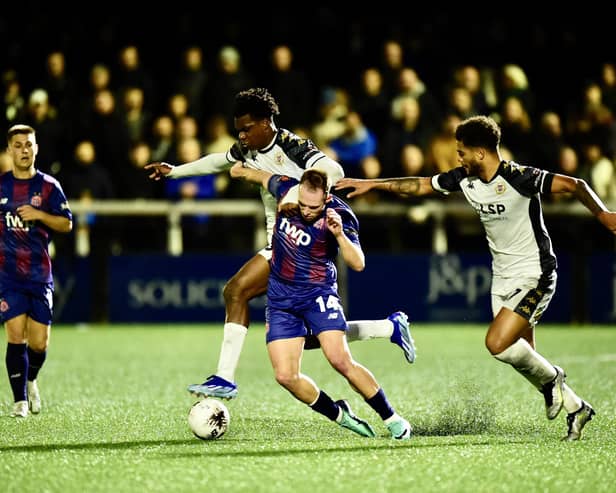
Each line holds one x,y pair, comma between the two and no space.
495,344
233,291
287,379
341,363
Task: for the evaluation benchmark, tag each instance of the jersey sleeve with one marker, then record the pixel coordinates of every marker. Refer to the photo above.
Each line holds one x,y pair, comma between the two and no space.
279,185
58,203
527,180
350,223
448,182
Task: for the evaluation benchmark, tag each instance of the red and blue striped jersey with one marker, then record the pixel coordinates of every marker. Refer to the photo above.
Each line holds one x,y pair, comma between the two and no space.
24,245
305,253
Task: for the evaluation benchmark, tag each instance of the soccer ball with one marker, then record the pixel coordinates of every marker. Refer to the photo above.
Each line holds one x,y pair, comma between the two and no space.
208,419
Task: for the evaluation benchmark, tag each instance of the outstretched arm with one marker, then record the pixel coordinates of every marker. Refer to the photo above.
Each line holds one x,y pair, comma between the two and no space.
207,165
258,176
580,189
411,185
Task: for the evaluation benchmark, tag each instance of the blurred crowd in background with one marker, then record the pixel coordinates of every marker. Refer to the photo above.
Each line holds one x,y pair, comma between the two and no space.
381,94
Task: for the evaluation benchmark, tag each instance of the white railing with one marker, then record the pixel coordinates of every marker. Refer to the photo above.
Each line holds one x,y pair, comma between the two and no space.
436,210
173,211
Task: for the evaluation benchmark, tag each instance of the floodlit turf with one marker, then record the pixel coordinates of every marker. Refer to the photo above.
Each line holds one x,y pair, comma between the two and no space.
115,407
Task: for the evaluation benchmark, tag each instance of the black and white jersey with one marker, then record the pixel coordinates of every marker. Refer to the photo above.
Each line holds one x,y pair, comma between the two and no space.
288,154
509,207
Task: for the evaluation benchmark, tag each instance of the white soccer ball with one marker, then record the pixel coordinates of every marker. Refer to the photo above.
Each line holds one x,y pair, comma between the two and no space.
208,419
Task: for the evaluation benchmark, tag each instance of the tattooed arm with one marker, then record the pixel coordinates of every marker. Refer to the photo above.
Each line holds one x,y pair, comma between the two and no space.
410,185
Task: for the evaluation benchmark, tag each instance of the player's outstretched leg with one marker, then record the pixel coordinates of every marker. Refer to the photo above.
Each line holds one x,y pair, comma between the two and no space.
214,386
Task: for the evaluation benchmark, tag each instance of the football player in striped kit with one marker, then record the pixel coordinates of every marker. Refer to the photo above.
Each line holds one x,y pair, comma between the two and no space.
264,146
302,297
32,207
506,196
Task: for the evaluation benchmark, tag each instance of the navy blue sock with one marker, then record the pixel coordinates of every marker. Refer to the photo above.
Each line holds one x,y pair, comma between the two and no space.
35,362
326,406
381,405
17,369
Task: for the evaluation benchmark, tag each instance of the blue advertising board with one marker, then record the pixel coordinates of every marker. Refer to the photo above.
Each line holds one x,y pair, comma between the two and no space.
160,288
438,288
430,288
602,288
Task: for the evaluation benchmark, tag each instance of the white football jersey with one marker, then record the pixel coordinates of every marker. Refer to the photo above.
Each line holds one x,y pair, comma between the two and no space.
288,154
509,207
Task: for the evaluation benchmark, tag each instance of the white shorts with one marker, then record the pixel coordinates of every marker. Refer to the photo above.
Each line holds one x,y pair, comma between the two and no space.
527,297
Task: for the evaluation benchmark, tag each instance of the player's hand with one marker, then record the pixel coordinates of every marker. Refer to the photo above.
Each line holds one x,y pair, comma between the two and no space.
159,170
359,186
238,170
334,221
28,213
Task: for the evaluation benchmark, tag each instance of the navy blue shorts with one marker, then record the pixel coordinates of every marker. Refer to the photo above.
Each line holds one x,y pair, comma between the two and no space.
35,300
295,311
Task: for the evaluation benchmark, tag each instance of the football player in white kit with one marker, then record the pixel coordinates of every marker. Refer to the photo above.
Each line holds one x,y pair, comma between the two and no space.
263,146
506,196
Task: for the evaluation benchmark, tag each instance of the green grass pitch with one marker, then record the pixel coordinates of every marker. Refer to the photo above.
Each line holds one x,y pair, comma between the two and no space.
115,407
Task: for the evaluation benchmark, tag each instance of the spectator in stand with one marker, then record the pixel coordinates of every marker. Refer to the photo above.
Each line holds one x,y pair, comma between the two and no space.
517,128
229,78
590,120
14,103
104,127
513,81
59,85
371,102
292,88
195,228
135,117
192,80
217,136
548,142
469,77
392,62
411,86
162,140
130,72
441,151
601,171
355,145
409,128
50,132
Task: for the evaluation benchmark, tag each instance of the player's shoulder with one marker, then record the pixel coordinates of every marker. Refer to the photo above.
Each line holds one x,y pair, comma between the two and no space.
47,178
512,168
290,141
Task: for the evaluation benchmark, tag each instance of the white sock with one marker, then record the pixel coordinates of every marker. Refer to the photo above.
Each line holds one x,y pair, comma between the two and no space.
528,362
571,401
360,330
230,350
